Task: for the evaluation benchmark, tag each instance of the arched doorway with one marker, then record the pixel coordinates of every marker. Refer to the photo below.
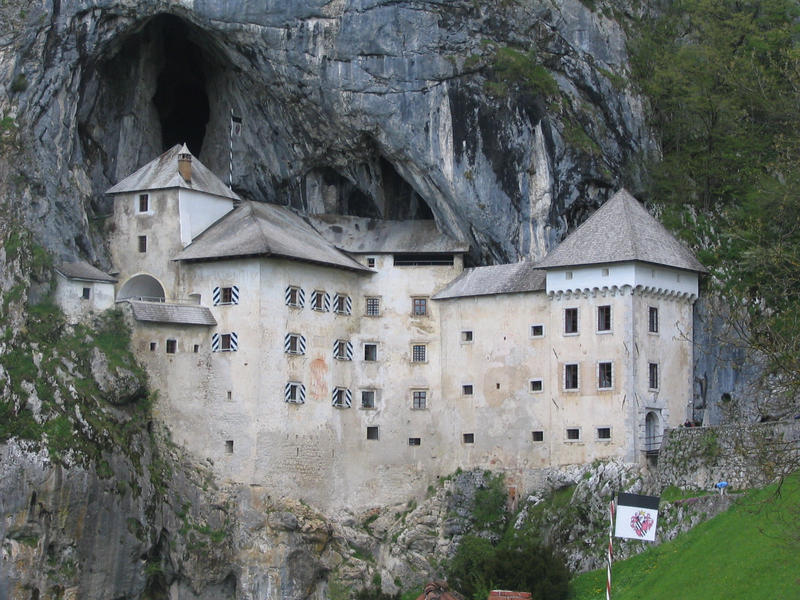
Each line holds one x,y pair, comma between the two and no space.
652,432
141,287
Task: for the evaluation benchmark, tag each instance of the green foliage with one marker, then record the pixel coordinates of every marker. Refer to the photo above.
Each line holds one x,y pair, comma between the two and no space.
512,69
489,512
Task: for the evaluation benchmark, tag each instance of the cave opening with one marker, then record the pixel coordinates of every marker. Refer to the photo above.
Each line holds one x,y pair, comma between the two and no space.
181,99
402,200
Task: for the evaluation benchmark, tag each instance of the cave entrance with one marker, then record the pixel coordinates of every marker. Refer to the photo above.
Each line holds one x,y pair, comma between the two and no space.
181,99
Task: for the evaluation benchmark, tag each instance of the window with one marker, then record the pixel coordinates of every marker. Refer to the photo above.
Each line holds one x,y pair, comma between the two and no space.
537,331
466,337
414,441
343,350
568,275
144,202
320,301
294,343
294,393
419,399
370,352
604,433
604,376
469,438
225,295
604,318
142,243
604,271
652,322
86,293
573,433
153,346
571,376
372,432
652,376
536,385
295,296
342,304
373,307
419,307
341,397
538,436
171,346
570,320
466,389
420,259
224,342
367,398
418,353
196,348
229,446
371,262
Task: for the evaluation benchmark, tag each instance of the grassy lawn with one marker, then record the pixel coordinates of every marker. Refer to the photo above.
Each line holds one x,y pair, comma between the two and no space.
745,552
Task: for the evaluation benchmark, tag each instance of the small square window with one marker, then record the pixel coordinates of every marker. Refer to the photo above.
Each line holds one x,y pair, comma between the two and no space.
466,389
604,271
419,399
571,376
466,337
373,307
341,304
536,385
652,322
229,446
469,438
142,243
294,344
573,433
171,346
604,433
568,275
367,398
418,353
372,432
419,307
294,393
342,350
294,296
604,376
570,320
318,300
538,436
652,382
370,352
414,441
371,262
144,202
153,346
86,293
604,318
225,344
226,295
196,348
341,398
537,331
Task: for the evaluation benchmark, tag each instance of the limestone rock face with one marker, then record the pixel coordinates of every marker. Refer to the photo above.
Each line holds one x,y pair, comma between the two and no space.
373,107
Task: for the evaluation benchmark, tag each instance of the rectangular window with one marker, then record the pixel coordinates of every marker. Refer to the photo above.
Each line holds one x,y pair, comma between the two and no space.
604,433
171,346
604,272
367,398
469,438
142,243
537,331
604,318
226,296
370,352
536,385
196,348
571,376
153,346
538,436
294,296
568,275
604,376
373,307
371,262
86,293
419,307
294,343
372,432
466,389
418,353
652,376
652,322
466,337
294,393
229,446
225,342
570,320
414,441
419,259
144,202
320,301
342,304
341,398
343,350
419,399
573,433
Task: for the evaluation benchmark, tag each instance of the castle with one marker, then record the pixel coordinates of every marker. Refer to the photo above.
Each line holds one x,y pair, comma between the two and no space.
351,361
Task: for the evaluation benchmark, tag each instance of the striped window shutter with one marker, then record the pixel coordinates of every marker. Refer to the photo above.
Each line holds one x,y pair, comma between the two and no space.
235,294
301,297
349,350
336,349
348,398
234,341
287,343
314,295
215,296
326,302
301,344
348,305
215,342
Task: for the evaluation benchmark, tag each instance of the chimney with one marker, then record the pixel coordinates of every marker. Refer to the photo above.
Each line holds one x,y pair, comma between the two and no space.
185,163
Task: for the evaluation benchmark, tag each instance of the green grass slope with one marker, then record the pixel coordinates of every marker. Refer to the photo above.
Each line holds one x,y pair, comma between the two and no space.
751,551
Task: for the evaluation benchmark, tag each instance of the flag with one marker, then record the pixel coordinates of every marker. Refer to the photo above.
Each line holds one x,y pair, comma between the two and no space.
636,517
236,125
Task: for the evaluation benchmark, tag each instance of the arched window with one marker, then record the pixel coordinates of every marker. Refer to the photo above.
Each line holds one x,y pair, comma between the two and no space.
142,287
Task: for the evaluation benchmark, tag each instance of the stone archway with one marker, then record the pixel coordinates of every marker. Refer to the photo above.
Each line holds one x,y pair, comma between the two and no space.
142,287
652,432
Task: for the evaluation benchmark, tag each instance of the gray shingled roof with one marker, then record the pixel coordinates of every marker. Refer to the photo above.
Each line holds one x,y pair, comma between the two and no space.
496,279
259,229
162,173
84,271
360,235
181,314
620,231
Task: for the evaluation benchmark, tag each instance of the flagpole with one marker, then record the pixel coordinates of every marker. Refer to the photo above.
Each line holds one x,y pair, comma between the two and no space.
230,156
610,548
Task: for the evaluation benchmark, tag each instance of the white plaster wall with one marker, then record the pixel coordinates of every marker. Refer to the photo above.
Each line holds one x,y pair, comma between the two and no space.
198,211
622,274
69,297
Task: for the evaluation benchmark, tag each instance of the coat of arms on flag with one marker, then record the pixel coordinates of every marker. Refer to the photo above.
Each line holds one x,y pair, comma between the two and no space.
636,517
